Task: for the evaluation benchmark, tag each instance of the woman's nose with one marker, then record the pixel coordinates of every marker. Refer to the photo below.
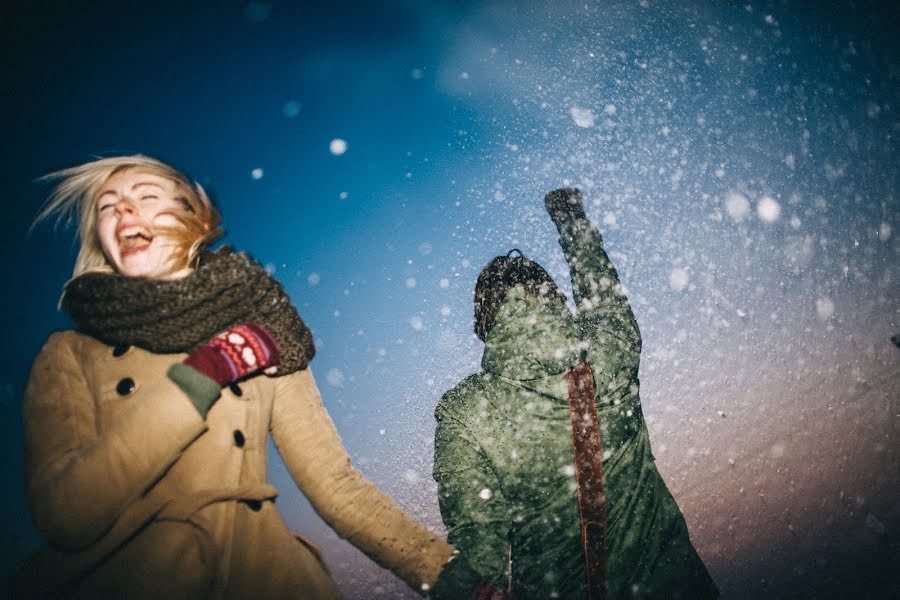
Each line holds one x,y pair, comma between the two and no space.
125,207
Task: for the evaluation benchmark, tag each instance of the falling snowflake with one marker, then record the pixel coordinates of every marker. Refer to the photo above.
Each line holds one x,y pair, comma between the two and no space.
335,377
875,525
737,205
824,308
768,209
583,117
256,173
678,279
291,109
338,146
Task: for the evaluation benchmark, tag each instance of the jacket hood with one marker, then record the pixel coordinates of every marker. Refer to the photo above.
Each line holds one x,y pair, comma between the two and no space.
532,337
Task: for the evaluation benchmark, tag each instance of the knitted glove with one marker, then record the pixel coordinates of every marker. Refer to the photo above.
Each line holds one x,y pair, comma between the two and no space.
240,351
564,204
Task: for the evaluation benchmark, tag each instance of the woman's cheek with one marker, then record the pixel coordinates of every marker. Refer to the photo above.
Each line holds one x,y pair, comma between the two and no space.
165,219
106,234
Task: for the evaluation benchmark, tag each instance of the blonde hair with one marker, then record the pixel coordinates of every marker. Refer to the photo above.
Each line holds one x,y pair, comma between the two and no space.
79,189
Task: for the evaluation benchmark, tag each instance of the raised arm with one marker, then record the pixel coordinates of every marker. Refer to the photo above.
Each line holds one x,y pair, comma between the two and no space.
599,298
358,512
80,478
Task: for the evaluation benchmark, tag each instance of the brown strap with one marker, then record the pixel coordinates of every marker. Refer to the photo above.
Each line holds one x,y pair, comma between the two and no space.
589,475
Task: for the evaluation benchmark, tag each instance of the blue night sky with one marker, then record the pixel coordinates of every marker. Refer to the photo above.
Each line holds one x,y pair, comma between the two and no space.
740,159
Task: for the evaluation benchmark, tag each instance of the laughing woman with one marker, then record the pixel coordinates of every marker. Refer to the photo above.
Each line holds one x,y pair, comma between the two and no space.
146,426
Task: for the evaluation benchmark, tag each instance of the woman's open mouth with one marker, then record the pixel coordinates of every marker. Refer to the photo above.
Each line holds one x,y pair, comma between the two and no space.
133,240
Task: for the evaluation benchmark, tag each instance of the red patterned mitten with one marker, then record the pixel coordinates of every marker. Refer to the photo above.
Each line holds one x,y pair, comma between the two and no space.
236,353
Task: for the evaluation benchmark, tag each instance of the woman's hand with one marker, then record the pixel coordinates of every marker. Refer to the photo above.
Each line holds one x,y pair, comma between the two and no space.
234,354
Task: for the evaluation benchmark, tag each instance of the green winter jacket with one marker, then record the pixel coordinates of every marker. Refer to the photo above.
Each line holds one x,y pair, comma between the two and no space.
504,460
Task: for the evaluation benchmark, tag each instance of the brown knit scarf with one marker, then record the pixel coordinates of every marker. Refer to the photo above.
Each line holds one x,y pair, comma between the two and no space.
228,288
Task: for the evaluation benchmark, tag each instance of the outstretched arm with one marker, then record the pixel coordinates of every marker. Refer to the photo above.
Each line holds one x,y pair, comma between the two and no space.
599,297
473,509
358,512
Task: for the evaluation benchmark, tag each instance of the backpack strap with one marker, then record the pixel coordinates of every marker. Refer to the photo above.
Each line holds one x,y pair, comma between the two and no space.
589,476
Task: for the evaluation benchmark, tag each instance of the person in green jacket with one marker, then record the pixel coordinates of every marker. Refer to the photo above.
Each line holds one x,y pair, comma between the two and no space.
517,503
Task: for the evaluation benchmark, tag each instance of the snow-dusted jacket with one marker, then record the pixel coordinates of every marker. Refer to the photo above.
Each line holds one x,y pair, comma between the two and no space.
141,497
504,453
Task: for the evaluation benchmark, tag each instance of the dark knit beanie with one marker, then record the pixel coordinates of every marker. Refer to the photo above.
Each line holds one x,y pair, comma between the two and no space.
498,277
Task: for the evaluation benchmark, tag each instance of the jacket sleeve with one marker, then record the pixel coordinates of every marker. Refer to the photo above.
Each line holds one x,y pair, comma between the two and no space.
314,455
81,477
473,506
600,301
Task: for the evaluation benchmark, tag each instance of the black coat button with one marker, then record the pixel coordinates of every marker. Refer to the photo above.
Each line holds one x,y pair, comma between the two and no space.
120,349
125,386
239,438
235,389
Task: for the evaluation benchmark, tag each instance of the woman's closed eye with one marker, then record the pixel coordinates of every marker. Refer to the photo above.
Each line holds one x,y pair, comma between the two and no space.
184,203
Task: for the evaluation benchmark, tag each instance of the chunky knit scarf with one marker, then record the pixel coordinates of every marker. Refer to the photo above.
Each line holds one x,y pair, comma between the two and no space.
228,288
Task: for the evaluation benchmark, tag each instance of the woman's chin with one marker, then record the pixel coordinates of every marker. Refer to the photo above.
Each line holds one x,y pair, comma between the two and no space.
179,274
143,264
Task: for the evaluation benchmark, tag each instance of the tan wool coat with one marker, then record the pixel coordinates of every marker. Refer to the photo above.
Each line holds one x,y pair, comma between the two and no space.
141,497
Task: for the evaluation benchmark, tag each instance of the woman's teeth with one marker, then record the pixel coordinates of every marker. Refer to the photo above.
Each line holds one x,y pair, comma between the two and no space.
134,241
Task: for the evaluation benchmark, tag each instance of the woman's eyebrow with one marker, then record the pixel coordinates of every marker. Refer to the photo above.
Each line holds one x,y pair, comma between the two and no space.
134,187
142,183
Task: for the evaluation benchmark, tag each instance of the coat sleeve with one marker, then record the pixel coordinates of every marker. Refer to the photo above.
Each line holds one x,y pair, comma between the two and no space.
314,455
81,477
600,301
473,506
